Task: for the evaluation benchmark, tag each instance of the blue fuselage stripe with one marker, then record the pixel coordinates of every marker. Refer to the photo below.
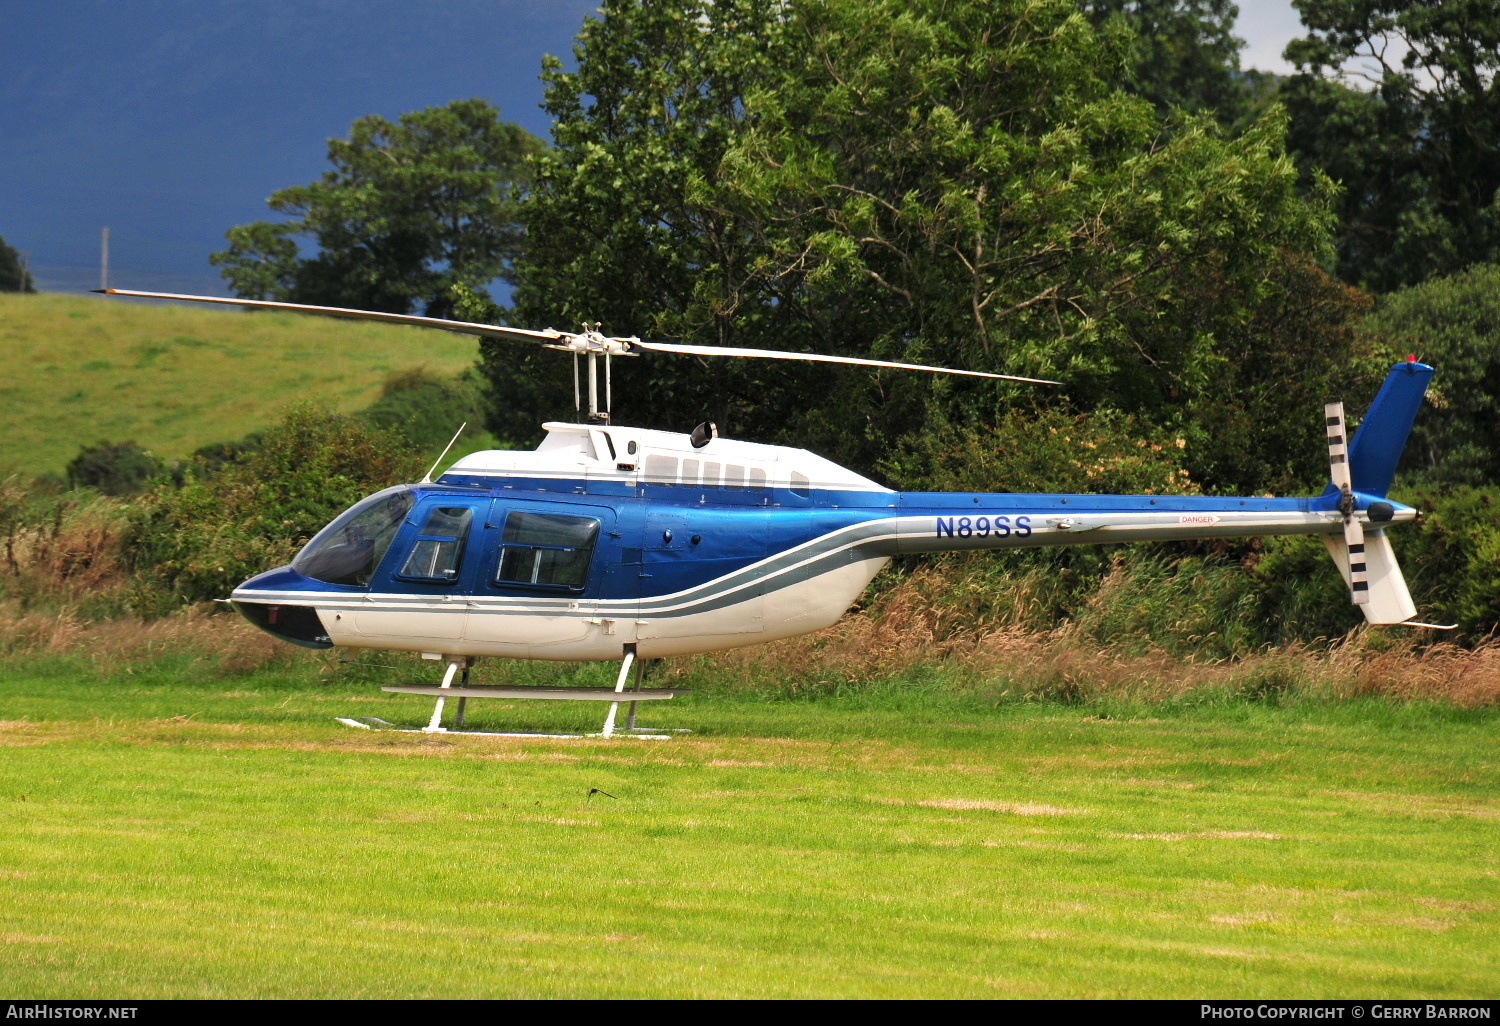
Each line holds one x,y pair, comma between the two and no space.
667,553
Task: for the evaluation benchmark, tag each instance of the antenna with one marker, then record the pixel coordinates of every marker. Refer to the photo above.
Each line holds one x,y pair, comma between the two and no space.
427,477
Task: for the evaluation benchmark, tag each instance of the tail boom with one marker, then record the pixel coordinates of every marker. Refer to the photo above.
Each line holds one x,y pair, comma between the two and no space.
1009,521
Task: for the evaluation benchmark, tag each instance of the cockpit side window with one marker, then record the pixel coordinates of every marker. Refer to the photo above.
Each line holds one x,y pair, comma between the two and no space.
546,550
349,550
438,552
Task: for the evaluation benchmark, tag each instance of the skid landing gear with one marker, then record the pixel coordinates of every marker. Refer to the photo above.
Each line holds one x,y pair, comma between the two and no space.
615,696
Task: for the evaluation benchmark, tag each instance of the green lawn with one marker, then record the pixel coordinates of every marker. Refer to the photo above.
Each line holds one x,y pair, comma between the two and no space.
224,837
75,370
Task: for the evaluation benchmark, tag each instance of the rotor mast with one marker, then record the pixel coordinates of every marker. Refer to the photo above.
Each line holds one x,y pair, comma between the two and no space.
592,344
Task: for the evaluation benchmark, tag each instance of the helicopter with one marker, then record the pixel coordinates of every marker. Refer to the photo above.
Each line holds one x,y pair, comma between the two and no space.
621,544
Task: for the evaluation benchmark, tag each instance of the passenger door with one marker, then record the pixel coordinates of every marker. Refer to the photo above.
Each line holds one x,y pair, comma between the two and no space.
542,567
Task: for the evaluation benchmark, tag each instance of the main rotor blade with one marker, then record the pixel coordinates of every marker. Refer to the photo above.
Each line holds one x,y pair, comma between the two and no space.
553,336
773,354
462,327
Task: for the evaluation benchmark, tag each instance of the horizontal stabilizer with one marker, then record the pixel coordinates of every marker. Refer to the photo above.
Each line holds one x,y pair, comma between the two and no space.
1388,600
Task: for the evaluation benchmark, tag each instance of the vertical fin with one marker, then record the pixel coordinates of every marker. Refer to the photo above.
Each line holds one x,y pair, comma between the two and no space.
1376,447
1388,601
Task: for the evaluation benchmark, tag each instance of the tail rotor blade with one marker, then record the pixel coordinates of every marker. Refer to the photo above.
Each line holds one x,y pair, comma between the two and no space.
1338,446
1359,579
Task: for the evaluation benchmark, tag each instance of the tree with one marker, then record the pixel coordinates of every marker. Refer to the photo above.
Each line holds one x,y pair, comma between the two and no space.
940,182
13,277
625,221
410,208
1453,323
1417,147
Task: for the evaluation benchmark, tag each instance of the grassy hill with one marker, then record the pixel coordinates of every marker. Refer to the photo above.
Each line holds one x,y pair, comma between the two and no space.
75,370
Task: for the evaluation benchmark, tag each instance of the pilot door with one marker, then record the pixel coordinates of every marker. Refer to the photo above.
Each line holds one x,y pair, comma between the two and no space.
421,588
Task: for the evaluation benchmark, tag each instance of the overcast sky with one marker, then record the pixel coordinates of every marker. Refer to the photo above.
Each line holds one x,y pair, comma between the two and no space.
1267,26
171,120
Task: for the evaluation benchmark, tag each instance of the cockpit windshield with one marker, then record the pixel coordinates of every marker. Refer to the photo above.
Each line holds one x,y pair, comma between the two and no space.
349,550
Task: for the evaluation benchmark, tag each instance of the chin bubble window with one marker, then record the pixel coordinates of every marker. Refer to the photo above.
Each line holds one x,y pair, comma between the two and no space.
547,550
439,549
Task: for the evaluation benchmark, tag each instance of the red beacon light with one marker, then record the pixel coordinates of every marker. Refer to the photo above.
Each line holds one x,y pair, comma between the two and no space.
1411,357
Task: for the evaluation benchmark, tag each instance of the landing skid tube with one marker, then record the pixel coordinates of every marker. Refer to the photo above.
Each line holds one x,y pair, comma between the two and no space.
464,691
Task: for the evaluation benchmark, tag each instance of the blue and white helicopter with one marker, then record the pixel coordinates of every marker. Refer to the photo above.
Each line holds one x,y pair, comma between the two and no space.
621,544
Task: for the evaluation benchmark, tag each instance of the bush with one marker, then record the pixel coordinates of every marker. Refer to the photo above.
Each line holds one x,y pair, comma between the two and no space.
427,410
1451,560
1046,451
199,541
1454,324
121,468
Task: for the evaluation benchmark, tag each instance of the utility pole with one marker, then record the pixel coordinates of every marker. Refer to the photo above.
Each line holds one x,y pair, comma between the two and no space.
104,260
25,272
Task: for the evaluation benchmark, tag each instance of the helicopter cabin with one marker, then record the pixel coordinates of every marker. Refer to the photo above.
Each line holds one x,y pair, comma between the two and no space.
603,459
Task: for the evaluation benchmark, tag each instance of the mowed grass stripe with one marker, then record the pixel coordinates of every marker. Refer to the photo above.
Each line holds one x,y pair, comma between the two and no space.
75,370
874,847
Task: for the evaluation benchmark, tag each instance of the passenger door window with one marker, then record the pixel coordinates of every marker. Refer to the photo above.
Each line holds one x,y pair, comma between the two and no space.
546,550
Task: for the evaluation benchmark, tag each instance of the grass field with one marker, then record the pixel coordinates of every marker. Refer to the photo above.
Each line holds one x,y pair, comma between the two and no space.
169,832
75,370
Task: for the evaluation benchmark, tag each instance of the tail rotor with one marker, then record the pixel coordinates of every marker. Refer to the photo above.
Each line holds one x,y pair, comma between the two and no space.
1354,532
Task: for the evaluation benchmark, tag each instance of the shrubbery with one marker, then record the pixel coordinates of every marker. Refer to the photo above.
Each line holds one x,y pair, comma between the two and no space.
426,410
253,512
114,468
1046,451
1454,324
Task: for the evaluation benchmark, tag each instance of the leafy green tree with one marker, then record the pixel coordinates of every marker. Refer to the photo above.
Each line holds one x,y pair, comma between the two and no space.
13,277
410,208
1416,144
906,181
627,222
262,260
1453,323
